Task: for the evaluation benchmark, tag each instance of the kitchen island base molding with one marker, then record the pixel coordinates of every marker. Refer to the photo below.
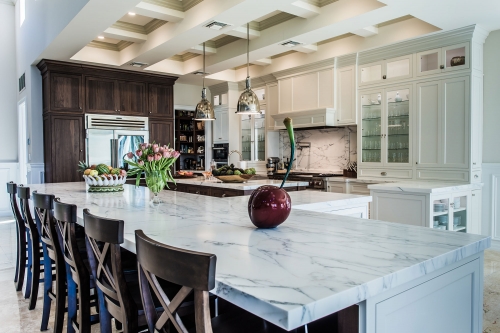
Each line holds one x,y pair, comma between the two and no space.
447,300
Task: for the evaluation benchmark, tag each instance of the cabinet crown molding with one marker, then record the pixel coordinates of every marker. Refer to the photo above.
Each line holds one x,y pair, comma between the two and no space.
346,60
429,42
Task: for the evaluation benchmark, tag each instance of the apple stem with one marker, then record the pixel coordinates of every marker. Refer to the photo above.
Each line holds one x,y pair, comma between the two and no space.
289,126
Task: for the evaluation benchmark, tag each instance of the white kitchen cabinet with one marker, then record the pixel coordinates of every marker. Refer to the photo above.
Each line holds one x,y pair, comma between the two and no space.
307,91
346,96
336,187
386,117
445,59
253,137
446,207
386,70
272,104
443,123
221,124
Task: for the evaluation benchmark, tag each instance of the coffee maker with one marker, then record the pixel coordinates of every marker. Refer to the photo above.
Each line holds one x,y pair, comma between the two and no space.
272,165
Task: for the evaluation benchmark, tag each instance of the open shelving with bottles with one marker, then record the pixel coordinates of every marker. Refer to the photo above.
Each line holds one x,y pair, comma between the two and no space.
189,141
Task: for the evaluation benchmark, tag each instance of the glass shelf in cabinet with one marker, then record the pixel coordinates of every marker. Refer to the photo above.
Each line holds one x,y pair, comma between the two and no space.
402,102
372,136
372,119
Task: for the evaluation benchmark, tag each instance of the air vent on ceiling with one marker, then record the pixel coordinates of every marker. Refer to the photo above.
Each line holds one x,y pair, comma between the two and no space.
201,73
290,43
116,122
138,64
215,25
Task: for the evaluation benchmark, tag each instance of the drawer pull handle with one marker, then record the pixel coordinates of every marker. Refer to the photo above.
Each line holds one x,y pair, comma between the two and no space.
442,66
383,173
224,195
476,176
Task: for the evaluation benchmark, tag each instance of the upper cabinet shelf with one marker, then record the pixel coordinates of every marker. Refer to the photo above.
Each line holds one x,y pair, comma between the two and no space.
445,59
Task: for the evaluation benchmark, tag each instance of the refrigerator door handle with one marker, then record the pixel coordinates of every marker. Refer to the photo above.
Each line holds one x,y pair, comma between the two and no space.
113,153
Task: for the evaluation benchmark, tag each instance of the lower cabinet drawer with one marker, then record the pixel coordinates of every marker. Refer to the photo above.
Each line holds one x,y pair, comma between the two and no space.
386,173
359,189
336,187
445,175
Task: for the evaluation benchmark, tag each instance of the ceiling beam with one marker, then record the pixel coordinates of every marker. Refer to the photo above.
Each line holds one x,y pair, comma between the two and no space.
302,9
367,31
129,36
199,49
241,32
305,48
262,62
159,12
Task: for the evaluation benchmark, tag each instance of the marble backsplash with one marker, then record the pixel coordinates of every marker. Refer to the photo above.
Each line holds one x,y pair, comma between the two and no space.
330,149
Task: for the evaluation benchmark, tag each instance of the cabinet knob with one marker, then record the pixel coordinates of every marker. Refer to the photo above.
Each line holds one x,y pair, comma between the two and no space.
476,176
452,204
150,111
473,195
118,110
224,195
197,192
80,107
384,77
383,173
175,189
442,66
338,120
474,163
81,150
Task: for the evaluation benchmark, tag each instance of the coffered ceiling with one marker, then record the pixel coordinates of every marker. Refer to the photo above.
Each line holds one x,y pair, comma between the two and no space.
167,35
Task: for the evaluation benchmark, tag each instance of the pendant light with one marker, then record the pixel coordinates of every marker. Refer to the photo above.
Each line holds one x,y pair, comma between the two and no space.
204,109
248,103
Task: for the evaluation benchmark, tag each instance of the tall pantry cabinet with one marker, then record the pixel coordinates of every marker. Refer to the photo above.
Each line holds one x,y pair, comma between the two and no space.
420,108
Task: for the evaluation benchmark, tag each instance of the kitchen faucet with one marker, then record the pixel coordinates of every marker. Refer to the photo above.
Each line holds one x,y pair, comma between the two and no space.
235,151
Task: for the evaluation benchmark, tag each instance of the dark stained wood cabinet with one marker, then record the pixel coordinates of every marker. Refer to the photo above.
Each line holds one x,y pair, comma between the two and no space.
72,90
161,100
66,93
64,144
100,95
161,131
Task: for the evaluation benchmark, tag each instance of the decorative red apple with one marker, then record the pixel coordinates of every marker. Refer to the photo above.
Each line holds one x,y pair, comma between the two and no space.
269,206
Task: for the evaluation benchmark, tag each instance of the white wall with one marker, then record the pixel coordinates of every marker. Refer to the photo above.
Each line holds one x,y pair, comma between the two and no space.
188,94
8,84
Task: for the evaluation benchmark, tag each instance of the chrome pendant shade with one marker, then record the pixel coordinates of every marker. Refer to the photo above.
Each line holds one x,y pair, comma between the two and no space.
248,103
204,110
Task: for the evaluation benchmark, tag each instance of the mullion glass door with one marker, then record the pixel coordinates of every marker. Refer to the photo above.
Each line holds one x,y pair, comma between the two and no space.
371,135
398,126
246,138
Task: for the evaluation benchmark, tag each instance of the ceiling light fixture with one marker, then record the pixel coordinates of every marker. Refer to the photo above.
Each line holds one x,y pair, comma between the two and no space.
204,109
138,64
248,103
131,13
215,25
100,37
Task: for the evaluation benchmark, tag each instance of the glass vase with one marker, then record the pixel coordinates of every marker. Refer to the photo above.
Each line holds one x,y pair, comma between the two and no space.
155,180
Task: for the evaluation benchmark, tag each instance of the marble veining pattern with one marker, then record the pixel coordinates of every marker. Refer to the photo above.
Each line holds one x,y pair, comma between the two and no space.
331,149
312,265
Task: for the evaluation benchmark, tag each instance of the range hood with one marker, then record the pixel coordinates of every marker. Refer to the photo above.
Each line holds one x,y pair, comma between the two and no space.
324,117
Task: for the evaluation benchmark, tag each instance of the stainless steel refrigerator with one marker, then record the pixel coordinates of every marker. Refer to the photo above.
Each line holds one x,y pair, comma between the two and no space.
110,138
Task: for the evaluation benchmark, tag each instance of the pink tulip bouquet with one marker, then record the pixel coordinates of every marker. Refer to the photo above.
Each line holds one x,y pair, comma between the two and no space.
156,162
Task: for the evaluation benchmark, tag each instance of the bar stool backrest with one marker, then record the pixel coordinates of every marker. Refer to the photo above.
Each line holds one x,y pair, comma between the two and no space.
43,204
104,237
194,271
24,196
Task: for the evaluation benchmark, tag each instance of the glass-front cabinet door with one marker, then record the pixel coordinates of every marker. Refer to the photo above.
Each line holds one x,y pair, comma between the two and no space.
253,137
446,59
371,127
450,213
429,62
371,73
398,126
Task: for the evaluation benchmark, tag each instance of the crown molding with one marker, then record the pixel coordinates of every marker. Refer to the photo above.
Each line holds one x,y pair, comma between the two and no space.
110,46
186,56
8,2
175,4
347,60
429,42
153,25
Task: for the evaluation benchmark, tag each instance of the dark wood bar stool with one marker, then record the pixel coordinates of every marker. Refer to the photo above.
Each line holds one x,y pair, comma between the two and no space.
79,279
195,272
33,279
52,255
21,247
119,287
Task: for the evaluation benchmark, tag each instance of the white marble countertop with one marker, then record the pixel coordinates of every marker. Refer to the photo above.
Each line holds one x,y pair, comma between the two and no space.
425,187
354,180
250,185
312,265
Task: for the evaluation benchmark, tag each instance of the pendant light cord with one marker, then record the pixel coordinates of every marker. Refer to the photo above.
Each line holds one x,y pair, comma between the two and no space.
203,65
248,49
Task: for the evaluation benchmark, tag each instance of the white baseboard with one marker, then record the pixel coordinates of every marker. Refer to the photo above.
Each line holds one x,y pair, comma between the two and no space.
495,245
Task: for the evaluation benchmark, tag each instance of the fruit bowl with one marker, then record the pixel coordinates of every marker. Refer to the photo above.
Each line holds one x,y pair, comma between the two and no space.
112,183
234,178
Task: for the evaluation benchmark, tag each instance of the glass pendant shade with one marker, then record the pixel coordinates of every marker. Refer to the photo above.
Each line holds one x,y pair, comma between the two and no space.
204,109
248,103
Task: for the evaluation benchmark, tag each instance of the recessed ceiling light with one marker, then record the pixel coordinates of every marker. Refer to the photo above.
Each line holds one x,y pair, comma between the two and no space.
215,25
100,37
131,13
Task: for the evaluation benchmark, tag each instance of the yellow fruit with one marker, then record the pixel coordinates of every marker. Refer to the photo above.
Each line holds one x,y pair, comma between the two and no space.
93,173
110,168
87,172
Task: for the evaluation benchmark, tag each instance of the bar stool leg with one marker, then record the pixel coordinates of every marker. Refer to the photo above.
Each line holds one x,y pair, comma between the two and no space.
20,259
35,274
104,316
29,275
47,288
72,301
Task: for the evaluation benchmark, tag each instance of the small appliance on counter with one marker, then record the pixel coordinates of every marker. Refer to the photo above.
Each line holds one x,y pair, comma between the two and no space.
272,165
220,154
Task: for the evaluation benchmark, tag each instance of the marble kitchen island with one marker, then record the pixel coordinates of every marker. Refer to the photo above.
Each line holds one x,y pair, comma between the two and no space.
403,278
